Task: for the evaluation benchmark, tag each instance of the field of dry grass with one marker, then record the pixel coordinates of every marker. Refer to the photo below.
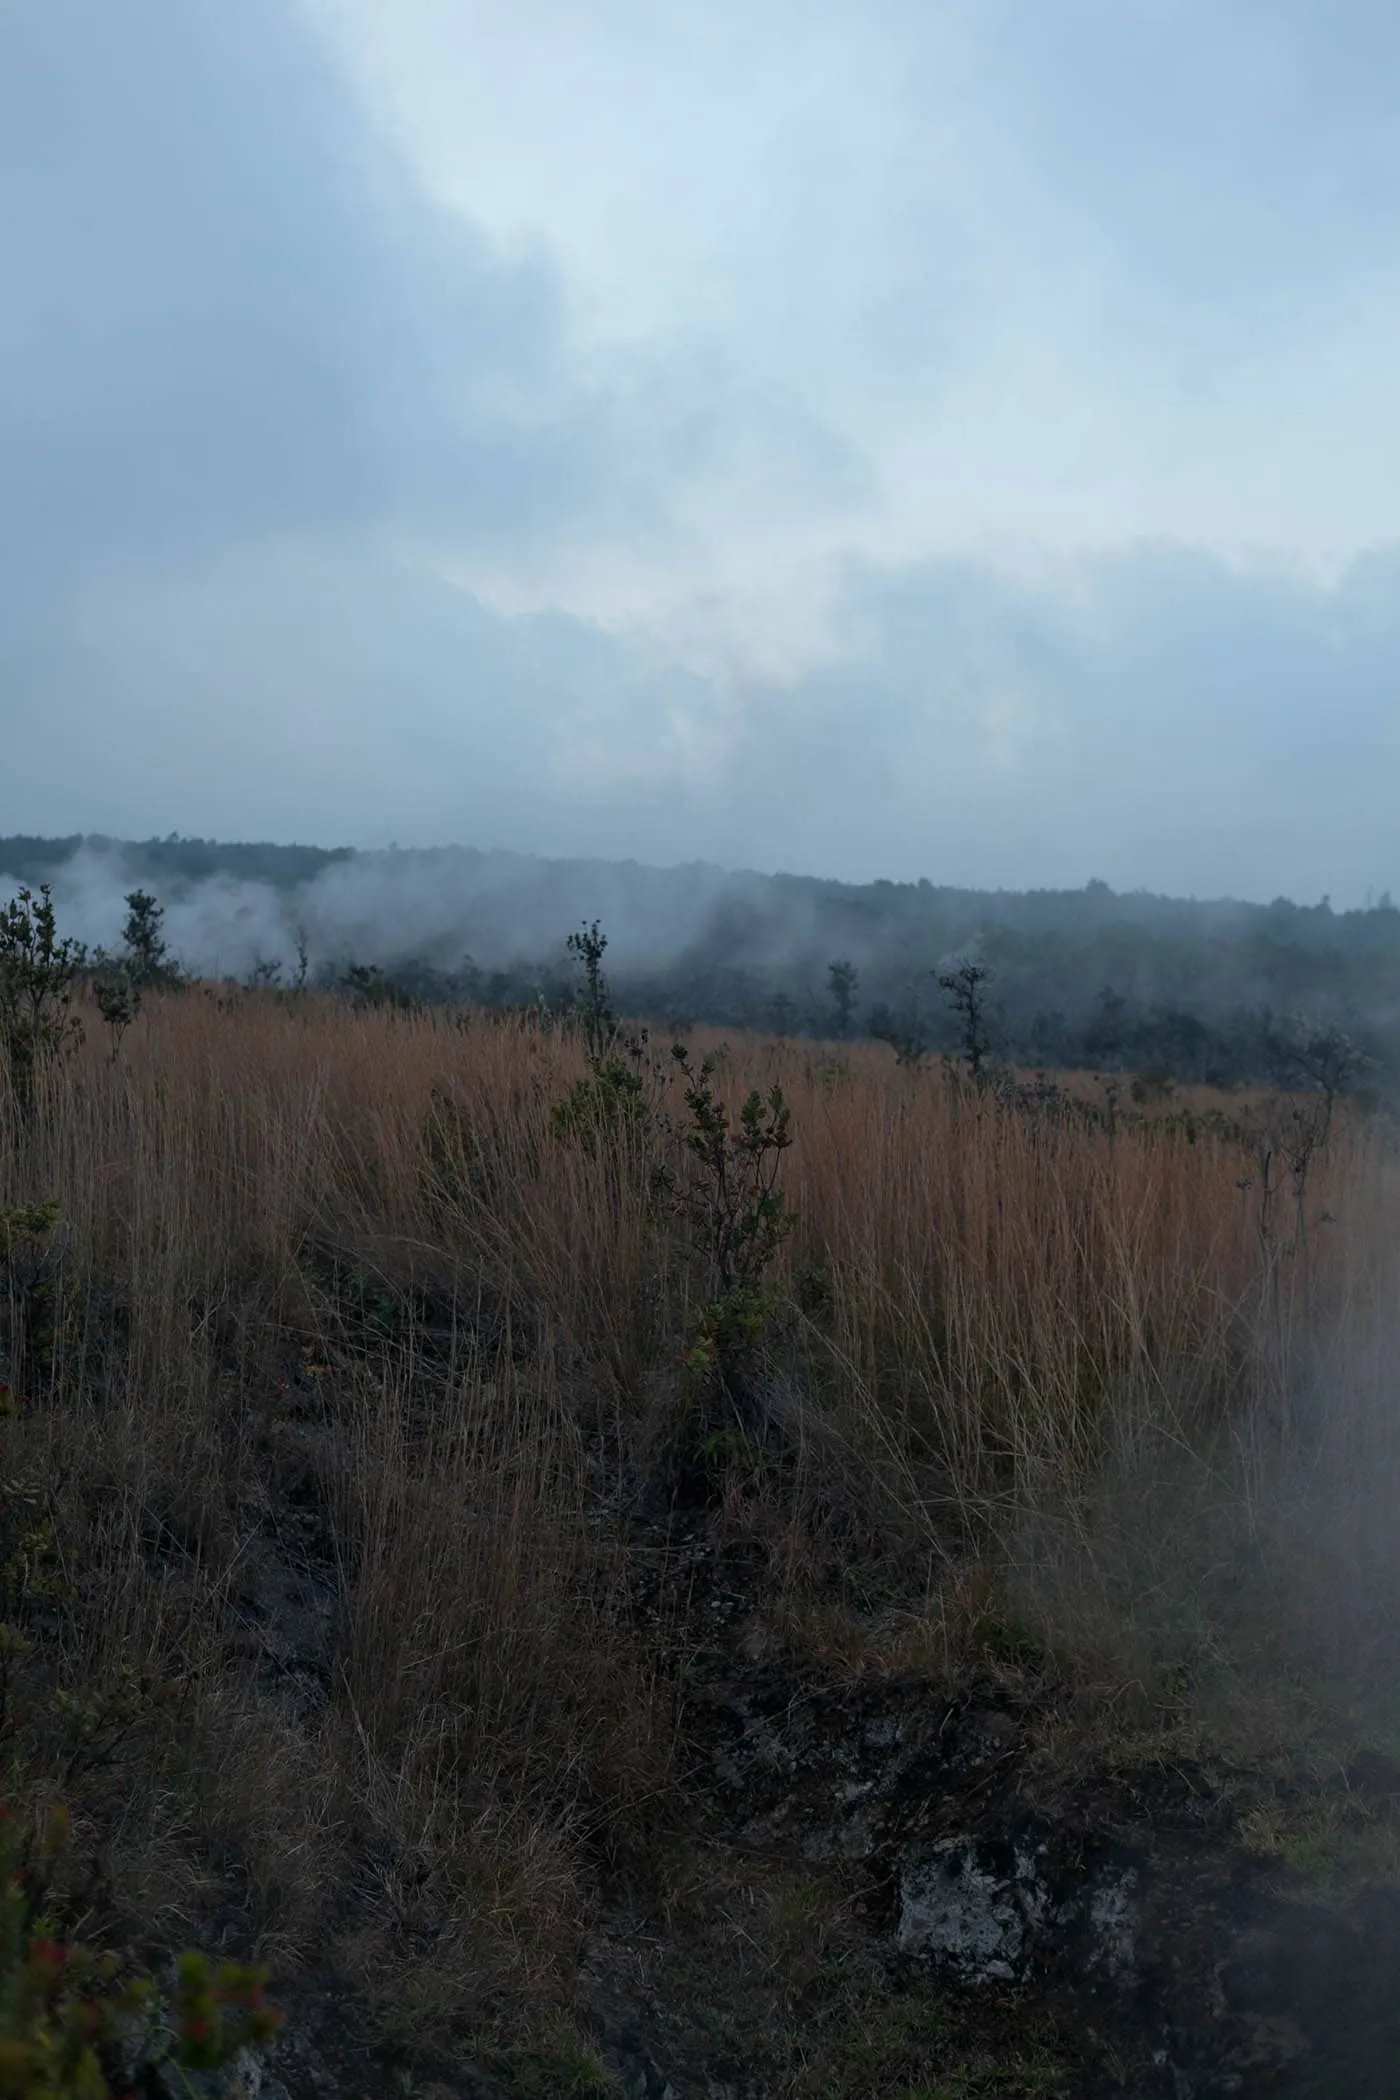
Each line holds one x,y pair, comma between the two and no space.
349,1398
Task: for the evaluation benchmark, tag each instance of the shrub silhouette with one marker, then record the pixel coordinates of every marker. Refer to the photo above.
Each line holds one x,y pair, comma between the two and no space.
146,960
37,971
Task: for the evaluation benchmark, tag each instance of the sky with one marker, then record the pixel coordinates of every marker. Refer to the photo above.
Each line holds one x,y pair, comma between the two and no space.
910,438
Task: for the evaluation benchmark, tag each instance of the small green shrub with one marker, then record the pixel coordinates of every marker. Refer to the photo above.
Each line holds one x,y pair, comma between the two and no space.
71,2023
37,970
588,947
612,1098
724,1192
146,961
843,979
965,987
24,1226
616,1095
729,1197
118,1001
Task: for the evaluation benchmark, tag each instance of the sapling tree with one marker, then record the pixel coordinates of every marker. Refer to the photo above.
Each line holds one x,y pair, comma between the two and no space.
731,1200
1316,1065
615,1093
37,971
724,1190
1316,1059
143,964
720,1183
843,979
588,947
965,987
726,1195
118,1002
145,955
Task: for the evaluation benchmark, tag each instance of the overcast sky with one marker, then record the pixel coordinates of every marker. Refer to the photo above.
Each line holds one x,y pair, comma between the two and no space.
865,437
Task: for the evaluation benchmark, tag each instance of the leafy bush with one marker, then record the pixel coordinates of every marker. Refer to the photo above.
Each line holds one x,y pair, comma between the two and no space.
37,970
146,961
725,1194
730,1199
118,1001
615,1095
843,979
965,987
72,2025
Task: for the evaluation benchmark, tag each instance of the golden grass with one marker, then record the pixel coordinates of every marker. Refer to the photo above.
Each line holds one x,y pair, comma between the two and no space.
343,1258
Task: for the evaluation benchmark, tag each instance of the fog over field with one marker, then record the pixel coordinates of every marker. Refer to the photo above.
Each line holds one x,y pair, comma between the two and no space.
699,1049
1208,990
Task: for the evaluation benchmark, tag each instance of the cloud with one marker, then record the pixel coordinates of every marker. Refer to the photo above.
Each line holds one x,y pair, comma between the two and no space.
233,316
1152,716
334,510
1237,168
1082,273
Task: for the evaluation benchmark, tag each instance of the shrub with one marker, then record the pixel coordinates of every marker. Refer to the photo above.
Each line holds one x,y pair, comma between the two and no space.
843,978
612,1098
588,947
965,987
147,962
726,1196
118,1001
71,2024
729,1198
615,1095
37,970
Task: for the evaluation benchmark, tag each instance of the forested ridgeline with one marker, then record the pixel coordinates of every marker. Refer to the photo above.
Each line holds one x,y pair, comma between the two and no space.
1197,990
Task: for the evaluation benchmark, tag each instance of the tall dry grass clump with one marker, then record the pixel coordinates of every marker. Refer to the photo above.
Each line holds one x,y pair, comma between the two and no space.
351,1387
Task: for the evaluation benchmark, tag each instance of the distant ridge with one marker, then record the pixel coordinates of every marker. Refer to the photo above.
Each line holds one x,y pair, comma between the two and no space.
1091,976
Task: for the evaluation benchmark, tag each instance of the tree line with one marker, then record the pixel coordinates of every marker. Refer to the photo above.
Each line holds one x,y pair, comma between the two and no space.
1198,991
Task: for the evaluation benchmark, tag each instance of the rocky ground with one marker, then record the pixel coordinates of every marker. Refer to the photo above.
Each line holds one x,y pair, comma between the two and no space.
891,1885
